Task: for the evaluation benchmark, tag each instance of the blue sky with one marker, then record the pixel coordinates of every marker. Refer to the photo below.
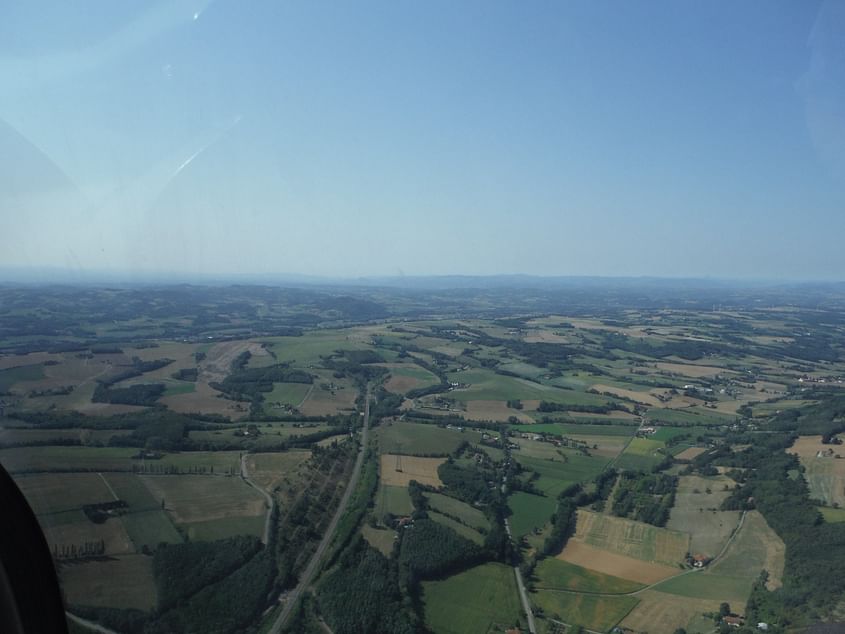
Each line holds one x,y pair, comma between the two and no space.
346,139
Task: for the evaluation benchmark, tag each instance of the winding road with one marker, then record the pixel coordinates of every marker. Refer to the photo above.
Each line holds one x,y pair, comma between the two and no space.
308,576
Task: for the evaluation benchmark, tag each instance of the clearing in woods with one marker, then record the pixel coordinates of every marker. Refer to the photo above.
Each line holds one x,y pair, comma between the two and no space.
696,512
461,529
407,376
825,474
481,600
690,452
119,582
394,500
398,470
467,514
382,539
529,512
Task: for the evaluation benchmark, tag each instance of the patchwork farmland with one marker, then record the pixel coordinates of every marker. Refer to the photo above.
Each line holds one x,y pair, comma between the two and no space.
628,471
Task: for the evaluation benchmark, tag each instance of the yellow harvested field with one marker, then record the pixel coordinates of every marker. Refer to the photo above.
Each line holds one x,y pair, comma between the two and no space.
662,613
689,454
544,336
630,538
581,554
400,470
810,446
495,411
640,397
695,371
824,472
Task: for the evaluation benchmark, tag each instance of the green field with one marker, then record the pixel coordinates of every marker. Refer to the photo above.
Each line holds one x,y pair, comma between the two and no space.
421,439
181,387
832,515
150,528
145,523
411,371
220,461
211,507
286,393
116,582
686,417
55,458
489,386
392,499
555,476
225,527
554,573
55,493
702,585
467,514
664,433
529,512
28,435
11,376
567,429
460,529
481,600
641,454
696,512
590,611
270,434
308,349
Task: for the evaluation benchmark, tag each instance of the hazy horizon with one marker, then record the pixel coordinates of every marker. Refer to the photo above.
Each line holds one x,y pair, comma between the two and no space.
208,139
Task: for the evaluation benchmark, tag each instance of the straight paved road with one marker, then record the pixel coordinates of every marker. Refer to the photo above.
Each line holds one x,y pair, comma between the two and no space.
311,569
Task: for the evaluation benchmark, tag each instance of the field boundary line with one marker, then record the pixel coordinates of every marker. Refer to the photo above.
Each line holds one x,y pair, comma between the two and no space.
305,398
108,486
